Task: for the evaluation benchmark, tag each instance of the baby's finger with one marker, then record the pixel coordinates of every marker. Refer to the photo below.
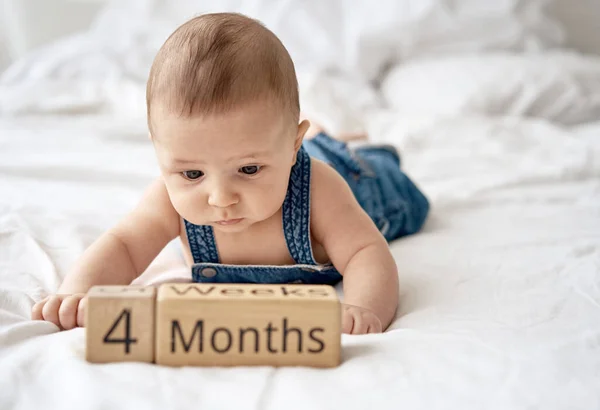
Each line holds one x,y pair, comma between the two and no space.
374,327
67,313
50,310
378,326
81,312
360,325
347,322
36,310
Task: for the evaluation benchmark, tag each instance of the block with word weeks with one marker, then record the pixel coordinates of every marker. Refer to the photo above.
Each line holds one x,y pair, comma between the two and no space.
120,324
246,324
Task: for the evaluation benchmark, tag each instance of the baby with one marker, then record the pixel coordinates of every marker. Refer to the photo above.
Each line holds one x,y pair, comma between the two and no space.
251,199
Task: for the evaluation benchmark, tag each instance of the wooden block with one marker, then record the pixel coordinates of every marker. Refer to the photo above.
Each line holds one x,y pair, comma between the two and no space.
248,324
119,324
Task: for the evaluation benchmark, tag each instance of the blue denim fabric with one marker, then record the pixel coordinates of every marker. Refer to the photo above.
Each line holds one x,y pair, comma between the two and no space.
223,273
388,196
373,172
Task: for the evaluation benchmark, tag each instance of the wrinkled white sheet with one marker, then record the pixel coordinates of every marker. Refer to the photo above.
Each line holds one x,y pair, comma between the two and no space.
500,296
563,87
500,293
339,51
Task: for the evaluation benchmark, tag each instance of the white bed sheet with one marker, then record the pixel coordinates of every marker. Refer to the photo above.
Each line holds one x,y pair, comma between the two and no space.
500,292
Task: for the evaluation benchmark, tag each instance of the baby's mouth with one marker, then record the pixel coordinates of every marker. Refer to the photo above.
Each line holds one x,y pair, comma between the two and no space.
229,221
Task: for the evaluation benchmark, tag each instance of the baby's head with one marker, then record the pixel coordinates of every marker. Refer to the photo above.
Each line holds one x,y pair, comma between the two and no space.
223,112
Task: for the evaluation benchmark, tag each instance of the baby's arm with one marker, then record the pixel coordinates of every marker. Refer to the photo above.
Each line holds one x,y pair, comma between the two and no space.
116,258
357,250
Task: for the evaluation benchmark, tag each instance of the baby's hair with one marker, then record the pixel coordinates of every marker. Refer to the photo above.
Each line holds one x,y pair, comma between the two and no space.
217,62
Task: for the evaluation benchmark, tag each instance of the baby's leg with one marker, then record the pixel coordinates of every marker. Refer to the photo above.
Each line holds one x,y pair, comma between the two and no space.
316,128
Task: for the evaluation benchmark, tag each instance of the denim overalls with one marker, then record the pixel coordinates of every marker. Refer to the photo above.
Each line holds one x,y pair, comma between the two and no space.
388,196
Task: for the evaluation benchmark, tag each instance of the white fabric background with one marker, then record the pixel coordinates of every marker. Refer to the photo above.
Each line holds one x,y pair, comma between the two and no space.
496,120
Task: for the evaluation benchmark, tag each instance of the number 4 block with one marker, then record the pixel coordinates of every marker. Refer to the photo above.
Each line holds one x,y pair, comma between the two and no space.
120,324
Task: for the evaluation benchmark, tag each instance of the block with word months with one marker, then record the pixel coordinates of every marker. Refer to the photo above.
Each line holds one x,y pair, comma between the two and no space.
119,324
248,324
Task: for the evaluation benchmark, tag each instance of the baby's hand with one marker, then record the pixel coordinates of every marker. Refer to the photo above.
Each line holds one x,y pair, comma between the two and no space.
65,311
357,320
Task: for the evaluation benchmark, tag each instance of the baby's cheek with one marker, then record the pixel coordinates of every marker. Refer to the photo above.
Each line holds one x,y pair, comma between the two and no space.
186,206
270,199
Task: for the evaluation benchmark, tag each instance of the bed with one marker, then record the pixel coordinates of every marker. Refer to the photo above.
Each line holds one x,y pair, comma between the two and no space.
499,124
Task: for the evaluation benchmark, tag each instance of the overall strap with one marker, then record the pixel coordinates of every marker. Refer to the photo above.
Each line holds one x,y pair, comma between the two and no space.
202,243
296,211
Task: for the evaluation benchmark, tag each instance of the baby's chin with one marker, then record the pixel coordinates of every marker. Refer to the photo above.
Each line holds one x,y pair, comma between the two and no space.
233,226
237,225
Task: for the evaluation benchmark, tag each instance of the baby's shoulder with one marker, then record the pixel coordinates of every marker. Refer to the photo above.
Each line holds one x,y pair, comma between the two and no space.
336,217
156,204
327,186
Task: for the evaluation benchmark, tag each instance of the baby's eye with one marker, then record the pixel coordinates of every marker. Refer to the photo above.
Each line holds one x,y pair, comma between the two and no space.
192,175
250,169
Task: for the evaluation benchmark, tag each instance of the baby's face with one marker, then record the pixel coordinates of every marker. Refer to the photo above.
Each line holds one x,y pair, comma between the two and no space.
230,170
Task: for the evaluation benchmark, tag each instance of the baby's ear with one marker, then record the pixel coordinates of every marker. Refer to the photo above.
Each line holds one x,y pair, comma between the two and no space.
302,128
150,136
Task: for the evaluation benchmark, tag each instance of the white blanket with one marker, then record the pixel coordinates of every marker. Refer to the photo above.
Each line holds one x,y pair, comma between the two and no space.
500,293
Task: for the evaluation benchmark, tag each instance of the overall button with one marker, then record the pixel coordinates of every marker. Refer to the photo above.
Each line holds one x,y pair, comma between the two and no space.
209,272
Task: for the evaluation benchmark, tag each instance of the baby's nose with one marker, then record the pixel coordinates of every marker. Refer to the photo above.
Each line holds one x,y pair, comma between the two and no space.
221,197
